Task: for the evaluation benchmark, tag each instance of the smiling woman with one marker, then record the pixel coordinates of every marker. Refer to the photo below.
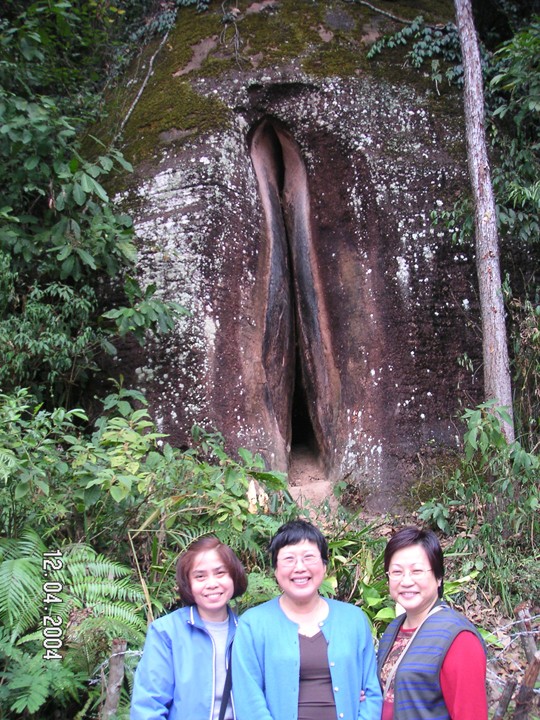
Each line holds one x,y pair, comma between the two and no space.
183,670
301,656
432,661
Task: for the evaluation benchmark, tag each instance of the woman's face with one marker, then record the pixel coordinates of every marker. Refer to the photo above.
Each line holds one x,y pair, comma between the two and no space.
211,585
300,571
417,589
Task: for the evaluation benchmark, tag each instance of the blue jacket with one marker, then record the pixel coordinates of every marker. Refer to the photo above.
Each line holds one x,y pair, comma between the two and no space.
175,676
266,663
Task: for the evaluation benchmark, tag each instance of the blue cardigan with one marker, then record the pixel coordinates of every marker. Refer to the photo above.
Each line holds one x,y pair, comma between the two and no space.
266,663
175,676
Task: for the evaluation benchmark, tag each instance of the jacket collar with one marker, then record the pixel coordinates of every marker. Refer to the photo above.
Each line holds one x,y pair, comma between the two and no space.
195,619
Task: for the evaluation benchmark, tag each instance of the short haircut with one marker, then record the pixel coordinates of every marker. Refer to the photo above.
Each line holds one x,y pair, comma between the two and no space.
294,532
412,535
187,559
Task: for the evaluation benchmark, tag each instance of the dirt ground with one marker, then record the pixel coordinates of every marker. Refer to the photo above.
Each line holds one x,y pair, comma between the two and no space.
306,480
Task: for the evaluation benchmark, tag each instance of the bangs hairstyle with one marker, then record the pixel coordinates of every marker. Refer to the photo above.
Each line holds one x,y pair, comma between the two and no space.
295,532
187,559
408,536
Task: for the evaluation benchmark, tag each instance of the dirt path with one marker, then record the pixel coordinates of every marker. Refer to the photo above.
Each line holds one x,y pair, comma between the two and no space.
306,480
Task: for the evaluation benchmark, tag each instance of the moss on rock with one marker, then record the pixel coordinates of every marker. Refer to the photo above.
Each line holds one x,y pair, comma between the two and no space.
323,39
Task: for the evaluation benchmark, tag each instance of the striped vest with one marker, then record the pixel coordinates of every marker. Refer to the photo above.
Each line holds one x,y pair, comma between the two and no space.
417,688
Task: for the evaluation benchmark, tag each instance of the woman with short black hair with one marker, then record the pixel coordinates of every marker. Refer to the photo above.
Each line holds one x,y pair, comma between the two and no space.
301,656
431,659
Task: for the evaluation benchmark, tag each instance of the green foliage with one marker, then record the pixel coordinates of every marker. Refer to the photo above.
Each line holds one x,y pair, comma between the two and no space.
261,587
145,311
60,47
213,485
426,42
28,682
515,107
162,21
95,600
21,581
60,235
56,477
525,334
204,491
356,567
518,75
33,464
491,503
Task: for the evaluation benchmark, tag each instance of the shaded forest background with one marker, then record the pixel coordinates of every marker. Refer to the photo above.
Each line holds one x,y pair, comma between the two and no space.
94,503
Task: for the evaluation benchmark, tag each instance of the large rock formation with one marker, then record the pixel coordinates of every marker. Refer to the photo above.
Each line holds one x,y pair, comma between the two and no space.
288,206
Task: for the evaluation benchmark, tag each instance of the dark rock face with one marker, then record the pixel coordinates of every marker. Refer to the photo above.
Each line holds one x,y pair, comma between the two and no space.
327,310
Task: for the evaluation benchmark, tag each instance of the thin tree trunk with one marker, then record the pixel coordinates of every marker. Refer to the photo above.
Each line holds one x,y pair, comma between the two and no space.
497,382
526,691
504,702
116,678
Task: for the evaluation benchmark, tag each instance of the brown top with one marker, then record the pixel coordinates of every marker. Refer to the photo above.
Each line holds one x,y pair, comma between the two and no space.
316,697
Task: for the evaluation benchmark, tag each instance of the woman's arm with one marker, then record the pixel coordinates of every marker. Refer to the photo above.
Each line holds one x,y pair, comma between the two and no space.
372,707
463,679
153,689
247,676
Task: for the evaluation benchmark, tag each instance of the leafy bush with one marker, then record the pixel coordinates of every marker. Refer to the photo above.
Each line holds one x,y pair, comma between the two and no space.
491,504
60,480
61,238
525,335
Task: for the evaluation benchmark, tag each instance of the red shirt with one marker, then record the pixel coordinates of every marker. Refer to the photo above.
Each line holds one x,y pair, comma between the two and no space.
463,680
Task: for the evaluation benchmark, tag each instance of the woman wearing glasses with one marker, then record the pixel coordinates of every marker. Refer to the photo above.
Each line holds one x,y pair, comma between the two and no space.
431,659
301,656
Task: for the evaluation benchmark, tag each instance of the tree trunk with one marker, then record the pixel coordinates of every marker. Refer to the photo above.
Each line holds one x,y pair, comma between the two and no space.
116,678
526,691
497,383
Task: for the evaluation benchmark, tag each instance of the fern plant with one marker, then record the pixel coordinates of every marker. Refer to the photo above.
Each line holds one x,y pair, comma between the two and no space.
28,682
21,582
92,599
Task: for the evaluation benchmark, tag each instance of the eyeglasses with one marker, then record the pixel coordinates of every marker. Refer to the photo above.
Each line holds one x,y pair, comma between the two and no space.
416,574
291,560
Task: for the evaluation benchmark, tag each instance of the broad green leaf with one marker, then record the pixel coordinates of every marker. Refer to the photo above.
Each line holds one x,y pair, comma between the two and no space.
78,194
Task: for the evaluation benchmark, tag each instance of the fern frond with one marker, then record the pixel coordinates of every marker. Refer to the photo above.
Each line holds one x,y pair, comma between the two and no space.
28,544
20,593
29,681
26,681
188,535
28,691
8,650
92,590
109,622
82,562
121,611
21,581
98,566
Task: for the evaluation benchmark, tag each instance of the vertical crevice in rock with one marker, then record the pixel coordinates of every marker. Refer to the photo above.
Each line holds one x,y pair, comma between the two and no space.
302,383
